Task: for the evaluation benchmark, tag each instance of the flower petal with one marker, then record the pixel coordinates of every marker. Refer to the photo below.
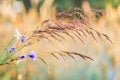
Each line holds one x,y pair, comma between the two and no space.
32,55
23,39
22,57
12,49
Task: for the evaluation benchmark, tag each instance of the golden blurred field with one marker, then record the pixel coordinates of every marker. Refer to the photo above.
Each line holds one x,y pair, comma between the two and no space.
106,64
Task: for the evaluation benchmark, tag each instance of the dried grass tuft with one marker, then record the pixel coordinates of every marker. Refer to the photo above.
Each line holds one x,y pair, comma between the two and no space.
73,27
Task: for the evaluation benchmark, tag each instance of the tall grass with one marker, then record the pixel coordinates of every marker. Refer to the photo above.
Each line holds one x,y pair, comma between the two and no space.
68,25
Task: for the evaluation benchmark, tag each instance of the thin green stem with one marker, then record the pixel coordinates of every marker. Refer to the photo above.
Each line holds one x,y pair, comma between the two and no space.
6,47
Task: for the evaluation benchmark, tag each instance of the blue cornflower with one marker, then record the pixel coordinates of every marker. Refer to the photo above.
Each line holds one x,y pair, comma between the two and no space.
12,49
32,55
23,39
22,57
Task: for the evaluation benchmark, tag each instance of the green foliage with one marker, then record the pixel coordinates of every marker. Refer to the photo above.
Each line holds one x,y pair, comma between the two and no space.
98,4
65,4
6,54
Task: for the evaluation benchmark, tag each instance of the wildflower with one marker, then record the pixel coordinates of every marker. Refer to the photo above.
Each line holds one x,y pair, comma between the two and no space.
12,49
32,55
22,57
23,39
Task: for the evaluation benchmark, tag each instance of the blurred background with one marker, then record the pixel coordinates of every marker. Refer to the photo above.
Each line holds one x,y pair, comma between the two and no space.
25,15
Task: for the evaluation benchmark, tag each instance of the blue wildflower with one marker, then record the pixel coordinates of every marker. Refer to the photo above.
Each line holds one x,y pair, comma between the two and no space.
22,57
23,39
12,49
32,55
